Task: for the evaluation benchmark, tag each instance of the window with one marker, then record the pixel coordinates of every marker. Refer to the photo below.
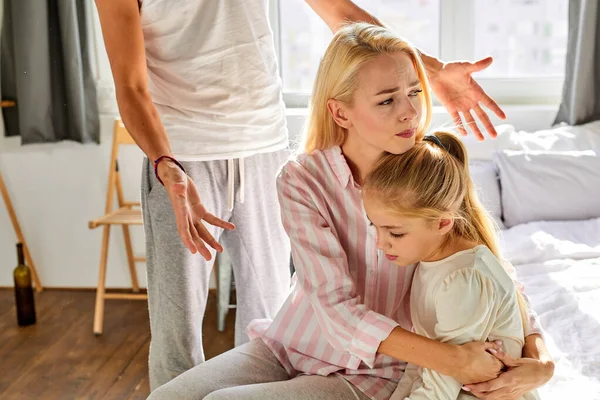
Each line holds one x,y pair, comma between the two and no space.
527,39
304,36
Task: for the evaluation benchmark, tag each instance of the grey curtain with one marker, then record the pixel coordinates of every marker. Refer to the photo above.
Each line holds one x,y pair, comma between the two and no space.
581,91
46,67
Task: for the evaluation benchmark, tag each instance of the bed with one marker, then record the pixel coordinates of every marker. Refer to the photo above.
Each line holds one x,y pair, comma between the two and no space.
543,190
559,264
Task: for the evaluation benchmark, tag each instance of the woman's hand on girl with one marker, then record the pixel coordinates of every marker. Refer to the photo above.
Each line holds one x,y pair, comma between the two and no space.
456,89
522,376
476,364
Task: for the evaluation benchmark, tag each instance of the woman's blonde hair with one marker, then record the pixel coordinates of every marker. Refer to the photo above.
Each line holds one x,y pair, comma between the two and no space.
432,181
351,48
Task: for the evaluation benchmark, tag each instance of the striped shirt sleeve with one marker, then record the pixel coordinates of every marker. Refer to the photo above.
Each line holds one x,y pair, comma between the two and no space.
322,268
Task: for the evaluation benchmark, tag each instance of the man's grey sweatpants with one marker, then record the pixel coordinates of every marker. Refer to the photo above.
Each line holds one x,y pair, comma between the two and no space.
178,281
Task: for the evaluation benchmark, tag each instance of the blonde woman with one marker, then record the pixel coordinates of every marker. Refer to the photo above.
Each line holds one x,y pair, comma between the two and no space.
426,212
344,332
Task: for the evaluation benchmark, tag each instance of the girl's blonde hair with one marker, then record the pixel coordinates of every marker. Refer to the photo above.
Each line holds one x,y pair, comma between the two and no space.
351,48
432,181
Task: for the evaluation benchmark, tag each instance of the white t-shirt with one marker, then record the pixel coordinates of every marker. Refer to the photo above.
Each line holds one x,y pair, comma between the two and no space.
213,77
466,297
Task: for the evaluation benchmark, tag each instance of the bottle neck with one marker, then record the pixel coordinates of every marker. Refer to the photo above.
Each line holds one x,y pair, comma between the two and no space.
20,254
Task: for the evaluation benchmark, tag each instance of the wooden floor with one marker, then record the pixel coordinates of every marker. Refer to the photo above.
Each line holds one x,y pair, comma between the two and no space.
60,358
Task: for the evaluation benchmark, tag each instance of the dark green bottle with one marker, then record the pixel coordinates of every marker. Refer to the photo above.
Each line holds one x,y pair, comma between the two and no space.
23,291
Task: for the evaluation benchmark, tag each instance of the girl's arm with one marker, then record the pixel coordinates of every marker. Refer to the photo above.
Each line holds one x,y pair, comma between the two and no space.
348,325
534,348
465,307
534,326
522,375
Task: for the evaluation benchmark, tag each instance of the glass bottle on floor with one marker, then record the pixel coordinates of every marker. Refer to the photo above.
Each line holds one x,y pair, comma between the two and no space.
23,291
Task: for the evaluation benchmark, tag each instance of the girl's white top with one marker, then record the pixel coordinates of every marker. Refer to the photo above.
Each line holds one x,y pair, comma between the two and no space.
465,297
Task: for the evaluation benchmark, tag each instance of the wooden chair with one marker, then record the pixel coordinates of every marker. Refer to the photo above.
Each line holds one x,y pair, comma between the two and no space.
19,233
15,221
127,213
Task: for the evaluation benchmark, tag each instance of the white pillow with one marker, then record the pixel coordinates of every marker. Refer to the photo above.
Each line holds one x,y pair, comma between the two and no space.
560,138
485,179
548,186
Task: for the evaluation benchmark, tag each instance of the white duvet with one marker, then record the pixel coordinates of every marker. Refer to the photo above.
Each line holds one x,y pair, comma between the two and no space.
559,263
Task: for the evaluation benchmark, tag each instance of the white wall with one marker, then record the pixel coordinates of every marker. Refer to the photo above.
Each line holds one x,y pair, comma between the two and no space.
57,188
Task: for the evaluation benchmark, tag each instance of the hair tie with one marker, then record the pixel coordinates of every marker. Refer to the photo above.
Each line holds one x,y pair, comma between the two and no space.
159,159
433,139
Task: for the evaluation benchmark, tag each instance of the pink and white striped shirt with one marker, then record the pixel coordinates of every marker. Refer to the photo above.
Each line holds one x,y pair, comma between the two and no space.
346,297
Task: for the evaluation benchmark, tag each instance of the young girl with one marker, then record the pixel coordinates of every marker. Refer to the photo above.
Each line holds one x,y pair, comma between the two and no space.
344,331
425,209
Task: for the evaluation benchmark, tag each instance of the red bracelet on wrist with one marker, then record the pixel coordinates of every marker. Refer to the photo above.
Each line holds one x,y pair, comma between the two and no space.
158,160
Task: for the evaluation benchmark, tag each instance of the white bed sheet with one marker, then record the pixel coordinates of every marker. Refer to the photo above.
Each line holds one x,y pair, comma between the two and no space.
559,263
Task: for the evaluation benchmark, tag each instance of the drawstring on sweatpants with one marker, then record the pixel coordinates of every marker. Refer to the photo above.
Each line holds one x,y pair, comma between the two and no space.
231,182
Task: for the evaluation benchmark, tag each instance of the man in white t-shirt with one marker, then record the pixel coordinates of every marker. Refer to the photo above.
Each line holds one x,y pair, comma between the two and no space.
198,89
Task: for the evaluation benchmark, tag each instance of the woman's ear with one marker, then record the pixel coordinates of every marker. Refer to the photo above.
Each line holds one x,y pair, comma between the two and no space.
338,113
445,225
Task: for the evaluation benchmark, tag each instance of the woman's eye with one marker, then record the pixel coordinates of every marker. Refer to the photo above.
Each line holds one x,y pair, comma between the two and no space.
396,235
386,102
415,92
